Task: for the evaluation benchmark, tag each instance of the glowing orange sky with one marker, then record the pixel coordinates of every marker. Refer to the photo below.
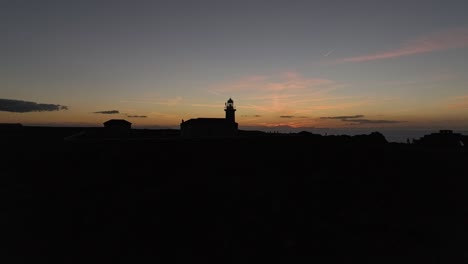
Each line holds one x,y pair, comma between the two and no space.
395,63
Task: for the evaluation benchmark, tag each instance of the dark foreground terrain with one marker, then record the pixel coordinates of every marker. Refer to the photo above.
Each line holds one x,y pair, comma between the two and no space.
292,199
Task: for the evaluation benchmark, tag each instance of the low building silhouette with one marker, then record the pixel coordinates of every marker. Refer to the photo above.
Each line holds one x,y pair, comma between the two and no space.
117,128
212,127
118,124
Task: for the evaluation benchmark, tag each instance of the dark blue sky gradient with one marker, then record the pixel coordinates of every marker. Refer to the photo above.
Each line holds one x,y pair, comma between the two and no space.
54,50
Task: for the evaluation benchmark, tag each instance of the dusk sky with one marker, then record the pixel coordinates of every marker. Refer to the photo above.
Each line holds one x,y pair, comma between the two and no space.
401,64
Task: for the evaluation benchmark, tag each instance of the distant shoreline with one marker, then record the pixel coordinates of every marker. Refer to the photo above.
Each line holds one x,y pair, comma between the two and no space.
392,135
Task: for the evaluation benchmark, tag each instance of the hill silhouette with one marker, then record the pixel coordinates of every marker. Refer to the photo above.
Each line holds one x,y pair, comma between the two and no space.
256,197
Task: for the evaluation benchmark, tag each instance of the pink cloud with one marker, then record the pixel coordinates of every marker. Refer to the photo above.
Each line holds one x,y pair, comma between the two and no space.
271,96
437,41
296,83
280,94
459,103
283,82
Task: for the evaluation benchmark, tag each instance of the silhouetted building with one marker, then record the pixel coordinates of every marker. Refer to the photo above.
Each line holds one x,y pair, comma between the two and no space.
445,138
118,125
114,128
212,127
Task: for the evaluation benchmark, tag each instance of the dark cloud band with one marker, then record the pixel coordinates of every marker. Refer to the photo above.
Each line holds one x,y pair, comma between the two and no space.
251,116
368,121
358,120
342,117
19,106
291,116
108,112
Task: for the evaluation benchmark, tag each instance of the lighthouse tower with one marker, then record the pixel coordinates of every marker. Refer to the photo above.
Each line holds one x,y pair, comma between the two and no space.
230,111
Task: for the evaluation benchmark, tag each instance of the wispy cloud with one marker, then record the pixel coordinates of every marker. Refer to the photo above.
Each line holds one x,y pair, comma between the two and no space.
137,116
292,124
438,41
358,120
269,96
458,103
284,93
107,112
339,105
294,81
291,116
370,121
251,116
423,79
328,53
19,106
341,117
283,82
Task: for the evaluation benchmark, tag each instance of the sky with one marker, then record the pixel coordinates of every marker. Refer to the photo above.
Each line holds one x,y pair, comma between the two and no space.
300,64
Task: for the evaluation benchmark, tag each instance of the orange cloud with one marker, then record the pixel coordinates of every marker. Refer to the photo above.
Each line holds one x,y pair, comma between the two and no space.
293,124
280,94
207,105
297,83
289,99
285,81
459,102
438,41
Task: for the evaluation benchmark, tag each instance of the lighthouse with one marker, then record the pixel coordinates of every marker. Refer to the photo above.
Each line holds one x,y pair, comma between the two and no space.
230,111
212,127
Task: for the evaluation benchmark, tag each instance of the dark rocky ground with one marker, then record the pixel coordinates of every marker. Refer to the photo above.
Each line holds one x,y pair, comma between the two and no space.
293,199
